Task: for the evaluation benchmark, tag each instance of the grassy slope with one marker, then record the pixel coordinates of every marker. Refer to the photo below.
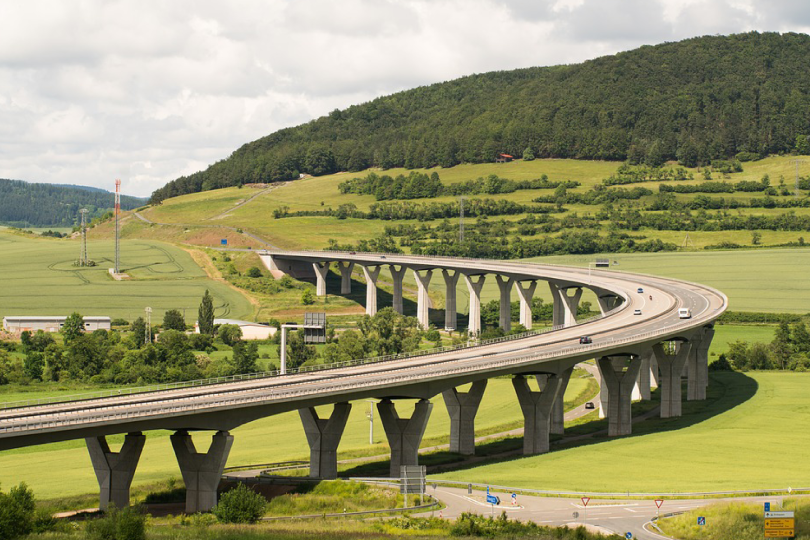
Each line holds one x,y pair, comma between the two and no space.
314,232
270,440
747,439
39,279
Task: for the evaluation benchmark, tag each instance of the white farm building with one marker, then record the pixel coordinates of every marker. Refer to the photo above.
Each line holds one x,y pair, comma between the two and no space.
16,324
250,330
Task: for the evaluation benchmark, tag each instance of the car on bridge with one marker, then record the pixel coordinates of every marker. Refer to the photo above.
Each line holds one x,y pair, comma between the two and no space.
584,340
641,290
637,312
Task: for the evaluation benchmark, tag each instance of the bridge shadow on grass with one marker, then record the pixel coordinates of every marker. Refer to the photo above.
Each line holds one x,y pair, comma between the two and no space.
726,391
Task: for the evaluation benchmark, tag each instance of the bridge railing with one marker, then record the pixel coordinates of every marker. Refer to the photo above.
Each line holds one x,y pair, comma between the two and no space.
275,373
228,399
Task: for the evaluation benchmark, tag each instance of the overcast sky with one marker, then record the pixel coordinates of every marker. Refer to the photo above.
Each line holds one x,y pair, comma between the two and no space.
146,91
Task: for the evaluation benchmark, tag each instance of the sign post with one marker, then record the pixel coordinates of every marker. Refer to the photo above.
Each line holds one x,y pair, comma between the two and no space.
779,524
585,501
314,332
492,500
658,503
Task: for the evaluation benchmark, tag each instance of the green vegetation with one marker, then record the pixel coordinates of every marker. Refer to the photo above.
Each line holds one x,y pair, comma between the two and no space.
24,204
738,520
333,498
722,440
38,279
240,505
696,101
123,524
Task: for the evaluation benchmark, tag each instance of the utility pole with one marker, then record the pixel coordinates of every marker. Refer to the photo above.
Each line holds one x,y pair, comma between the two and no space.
370,421
797,162
117,211
83,257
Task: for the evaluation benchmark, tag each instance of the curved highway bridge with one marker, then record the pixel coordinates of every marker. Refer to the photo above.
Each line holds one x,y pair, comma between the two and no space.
639,337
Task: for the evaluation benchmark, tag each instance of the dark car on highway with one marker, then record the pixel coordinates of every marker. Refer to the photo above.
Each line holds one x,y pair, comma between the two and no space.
584,340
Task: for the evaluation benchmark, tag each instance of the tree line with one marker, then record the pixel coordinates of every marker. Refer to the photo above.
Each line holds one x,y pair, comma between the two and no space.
24,204
697,100
423,186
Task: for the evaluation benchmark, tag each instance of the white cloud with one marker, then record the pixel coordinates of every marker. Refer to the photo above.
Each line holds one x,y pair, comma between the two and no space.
147,91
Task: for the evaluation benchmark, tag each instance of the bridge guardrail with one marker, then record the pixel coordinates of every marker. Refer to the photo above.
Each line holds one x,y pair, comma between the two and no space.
63,419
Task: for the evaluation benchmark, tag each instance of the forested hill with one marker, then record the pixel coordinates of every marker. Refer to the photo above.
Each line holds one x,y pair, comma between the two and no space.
694,100
23,204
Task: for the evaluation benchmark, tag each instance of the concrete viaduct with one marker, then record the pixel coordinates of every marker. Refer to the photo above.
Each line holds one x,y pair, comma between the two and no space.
632,351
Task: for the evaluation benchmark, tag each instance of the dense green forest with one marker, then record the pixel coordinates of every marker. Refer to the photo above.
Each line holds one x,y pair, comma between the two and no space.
697,100
23,204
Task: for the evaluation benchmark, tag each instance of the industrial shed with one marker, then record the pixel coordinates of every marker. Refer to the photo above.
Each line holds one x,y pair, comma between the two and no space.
16,324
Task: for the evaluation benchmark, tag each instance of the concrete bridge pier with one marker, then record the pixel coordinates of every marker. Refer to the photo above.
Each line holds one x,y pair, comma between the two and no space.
505,287
526,293
371,273
450,309
397,277
644,376
115,470
321,271
558,409
201,472
422,298
670,367
404,434
698,364
565,307
536,408
619,378
462,408
323,436
475,302
608,302
345,276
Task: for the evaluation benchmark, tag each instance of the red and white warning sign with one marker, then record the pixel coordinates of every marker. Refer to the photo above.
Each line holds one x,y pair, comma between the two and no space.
585,501
659,502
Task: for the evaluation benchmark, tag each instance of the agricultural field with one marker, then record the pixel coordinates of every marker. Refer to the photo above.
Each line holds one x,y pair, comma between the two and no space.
719,446
270,440
39,279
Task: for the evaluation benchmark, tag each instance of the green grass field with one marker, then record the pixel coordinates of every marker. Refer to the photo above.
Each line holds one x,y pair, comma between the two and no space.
270,440
746,438
39,278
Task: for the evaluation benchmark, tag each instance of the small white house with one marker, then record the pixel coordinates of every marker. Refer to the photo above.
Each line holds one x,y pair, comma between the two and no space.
250,330
16,324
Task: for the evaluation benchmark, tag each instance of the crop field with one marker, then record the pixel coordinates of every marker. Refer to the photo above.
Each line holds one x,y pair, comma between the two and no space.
746,438
39,278
270,440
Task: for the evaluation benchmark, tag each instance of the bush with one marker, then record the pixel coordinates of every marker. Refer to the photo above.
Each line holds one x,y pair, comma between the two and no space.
17,509
126,524
229,334
307,298
254,272
240,505
721,364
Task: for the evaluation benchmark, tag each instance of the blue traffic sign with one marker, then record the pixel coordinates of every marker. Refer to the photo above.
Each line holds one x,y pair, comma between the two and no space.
701,520
493,499
628,535
224,241
767,507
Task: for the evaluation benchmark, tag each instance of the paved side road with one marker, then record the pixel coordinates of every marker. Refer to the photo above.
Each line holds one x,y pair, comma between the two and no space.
607,515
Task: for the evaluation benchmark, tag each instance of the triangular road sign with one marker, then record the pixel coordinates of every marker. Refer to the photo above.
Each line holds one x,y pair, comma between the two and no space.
585,501
659,502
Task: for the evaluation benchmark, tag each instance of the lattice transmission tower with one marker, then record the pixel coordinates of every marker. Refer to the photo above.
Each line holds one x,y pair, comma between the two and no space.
83,255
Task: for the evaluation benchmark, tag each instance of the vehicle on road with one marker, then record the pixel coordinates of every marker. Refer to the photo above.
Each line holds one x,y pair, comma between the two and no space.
684,313
641,290
590,405
637,312
584,340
